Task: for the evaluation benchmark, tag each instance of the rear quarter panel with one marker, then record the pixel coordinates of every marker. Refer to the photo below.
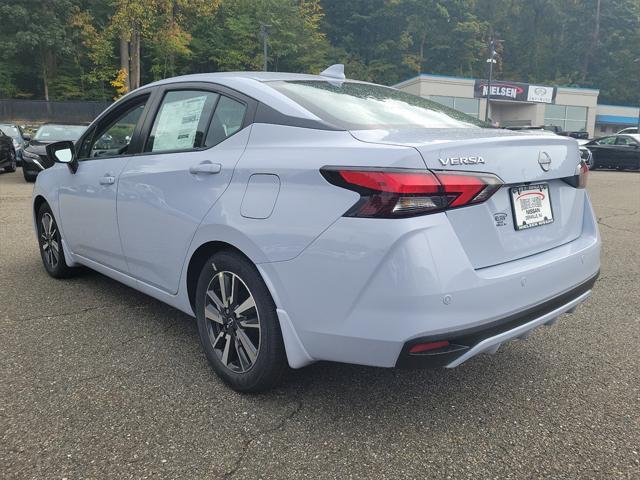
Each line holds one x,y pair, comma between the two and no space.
306,203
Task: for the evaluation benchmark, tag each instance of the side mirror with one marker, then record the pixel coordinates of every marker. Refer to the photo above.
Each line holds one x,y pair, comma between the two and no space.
63,152
26,138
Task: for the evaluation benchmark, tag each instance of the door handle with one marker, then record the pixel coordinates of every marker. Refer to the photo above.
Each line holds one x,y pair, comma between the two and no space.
108,180
205,167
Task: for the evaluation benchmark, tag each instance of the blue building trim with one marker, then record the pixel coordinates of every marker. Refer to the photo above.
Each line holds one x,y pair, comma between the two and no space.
616,119
617,106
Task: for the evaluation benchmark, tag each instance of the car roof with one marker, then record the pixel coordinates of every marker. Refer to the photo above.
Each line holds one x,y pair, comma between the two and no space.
254,85
635,136
257,76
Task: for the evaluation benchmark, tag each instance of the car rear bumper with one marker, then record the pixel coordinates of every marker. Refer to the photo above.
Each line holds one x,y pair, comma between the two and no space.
466,344
365,289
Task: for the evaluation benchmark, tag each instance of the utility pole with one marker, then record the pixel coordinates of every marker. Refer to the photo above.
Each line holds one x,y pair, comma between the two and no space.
637,60
491,60
264,33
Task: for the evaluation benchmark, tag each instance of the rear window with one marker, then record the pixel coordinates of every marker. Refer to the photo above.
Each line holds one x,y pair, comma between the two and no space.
362,106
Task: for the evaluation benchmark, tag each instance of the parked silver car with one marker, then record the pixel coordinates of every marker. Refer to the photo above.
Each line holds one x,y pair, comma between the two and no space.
309,217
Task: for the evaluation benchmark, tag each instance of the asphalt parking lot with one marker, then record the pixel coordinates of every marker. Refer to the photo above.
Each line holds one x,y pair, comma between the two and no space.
100,381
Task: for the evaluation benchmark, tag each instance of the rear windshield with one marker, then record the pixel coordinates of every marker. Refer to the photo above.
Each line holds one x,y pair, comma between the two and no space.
362,106
54,133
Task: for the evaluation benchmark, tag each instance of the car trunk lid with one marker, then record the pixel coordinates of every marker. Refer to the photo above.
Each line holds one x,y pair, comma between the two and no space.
487,231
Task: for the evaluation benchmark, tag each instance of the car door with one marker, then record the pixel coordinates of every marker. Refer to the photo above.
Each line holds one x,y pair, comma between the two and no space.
628,152
603,152
194,139
87,198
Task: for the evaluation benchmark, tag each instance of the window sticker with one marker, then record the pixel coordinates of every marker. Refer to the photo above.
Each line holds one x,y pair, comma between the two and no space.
177,124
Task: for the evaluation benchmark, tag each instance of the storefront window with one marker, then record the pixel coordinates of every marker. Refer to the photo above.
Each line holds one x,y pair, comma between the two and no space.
470,106
446,101
467,105
568,118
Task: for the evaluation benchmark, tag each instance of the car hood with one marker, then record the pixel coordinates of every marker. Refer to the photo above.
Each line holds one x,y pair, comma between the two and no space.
39,148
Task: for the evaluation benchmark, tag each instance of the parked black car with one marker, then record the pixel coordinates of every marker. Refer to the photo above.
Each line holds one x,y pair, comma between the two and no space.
8,158
19,138
616,151
585,153
34,157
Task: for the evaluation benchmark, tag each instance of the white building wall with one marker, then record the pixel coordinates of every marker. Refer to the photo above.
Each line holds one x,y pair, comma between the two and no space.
521,113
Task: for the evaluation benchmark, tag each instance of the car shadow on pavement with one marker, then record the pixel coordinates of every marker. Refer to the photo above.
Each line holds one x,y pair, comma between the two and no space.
166,340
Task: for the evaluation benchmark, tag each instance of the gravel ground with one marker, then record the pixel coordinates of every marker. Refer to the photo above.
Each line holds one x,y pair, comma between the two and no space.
100,381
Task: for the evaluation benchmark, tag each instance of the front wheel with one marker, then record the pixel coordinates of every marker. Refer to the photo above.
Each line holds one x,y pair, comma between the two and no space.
50,243
28,176
13,162
238,325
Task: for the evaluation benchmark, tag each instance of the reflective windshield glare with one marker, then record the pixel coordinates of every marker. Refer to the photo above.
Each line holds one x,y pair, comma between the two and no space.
357,106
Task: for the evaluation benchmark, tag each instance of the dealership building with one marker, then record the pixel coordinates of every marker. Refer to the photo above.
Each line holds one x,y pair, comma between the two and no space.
515,104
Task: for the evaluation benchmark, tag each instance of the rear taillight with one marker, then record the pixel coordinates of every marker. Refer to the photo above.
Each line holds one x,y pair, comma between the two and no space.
583,174
394,193
579,180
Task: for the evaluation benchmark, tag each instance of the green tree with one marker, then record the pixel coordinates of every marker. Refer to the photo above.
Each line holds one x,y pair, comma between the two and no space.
230,39
28,34
369,37
79,47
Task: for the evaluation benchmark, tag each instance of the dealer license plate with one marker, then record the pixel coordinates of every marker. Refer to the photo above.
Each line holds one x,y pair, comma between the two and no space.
531,206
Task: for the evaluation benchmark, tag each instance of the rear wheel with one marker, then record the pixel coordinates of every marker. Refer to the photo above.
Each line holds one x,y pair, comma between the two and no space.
238,324
50,243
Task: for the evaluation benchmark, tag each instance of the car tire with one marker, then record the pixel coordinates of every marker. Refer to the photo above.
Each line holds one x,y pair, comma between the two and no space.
240,334
28,176
14,163
50,244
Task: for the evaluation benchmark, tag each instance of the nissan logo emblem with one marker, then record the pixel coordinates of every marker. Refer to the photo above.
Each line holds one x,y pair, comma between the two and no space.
544,160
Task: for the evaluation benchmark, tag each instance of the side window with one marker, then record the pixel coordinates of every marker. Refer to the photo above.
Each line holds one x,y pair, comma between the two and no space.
607,141
113,137
181,121
227,120
624,141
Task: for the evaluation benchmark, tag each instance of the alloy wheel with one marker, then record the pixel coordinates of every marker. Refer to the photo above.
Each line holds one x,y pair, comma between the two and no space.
49,240
233,322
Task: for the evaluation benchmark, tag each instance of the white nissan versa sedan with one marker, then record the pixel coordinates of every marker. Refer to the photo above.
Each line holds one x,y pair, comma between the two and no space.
310,217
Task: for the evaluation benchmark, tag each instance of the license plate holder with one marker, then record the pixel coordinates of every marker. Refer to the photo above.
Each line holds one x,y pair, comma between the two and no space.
531,205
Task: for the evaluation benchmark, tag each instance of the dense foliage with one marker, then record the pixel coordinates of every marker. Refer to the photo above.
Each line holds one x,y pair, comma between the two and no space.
98,49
